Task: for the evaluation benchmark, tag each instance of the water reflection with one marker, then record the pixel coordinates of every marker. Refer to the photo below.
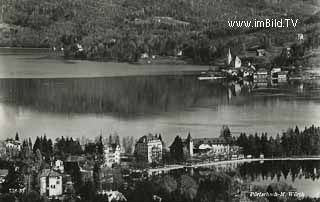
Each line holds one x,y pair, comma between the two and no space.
302,175
275,170
138,95
118,95
169,105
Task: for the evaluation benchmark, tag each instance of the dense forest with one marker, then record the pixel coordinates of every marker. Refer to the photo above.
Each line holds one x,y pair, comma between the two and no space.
123,29
293,142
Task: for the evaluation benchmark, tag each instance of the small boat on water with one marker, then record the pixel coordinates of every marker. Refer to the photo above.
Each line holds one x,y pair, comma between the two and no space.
210,75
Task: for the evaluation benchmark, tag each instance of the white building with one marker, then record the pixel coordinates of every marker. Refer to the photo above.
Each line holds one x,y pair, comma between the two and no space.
275,70
13,144
112,154
220,149
237,62
212,146
58,166
149,147
261,75
144,55
300,37
50,183
261,52
229,57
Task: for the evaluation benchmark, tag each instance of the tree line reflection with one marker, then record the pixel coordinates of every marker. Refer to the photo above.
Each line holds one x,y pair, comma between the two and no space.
276,170
121,95
128,96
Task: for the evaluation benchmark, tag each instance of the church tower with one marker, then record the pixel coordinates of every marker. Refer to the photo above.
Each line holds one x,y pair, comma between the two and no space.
190,145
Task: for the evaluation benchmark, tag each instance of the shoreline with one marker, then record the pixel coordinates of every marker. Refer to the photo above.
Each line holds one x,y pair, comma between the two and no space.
257,159
28,65
178,166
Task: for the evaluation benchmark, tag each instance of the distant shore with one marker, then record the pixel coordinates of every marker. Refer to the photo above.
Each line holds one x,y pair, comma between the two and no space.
43,63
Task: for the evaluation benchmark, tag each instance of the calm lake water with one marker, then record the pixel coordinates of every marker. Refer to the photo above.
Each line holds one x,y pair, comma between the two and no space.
32,102
304,176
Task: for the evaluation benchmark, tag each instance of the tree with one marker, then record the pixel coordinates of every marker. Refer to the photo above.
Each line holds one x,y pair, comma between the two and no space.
38,159
176,149
36,145
96,176
188,187
225,132
117,140
127,144
17,137
100,146
169,184
87,191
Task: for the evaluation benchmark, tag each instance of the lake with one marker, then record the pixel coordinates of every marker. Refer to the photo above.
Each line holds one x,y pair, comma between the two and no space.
304,176
301,176
41,94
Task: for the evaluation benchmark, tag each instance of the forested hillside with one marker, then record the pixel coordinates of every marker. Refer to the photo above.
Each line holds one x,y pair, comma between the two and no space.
123,29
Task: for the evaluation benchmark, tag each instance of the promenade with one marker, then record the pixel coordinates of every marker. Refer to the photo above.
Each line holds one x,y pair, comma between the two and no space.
168,168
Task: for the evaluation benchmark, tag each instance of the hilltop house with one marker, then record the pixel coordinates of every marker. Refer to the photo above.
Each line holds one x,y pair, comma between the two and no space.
261,52
50,183
12,147
13,144
149,148
300,37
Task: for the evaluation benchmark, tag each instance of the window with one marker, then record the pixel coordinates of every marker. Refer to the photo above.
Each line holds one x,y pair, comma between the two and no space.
58,182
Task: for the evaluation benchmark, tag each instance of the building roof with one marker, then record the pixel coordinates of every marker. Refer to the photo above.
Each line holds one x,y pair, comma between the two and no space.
198,141
262,70
12,141
49,173
148,138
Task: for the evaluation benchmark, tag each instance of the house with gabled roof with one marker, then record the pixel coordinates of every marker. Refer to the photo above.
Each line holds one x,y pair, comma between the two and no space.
50,183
